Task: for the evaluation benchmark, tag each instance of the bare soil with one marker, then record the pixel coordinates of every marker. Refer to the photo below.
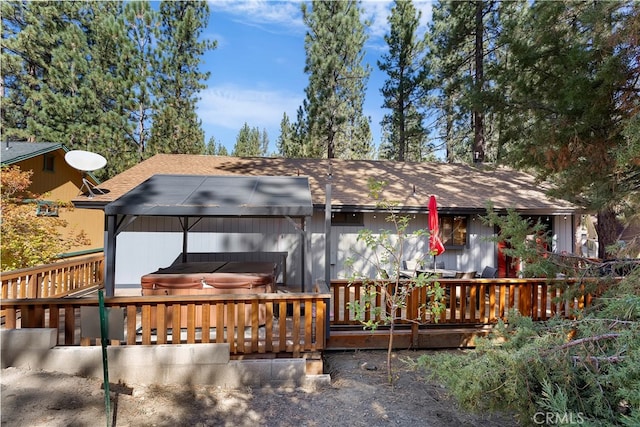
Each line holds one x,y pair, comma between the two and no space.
359,395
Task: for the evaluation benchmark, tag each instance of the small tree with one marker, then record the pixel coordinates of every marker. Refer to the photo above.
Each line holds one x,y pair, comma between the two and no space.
28,239
393,291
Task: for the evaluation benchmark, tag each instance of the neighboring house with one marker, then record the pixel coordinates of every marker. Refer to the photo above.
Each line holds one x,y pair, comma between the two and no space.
57,183
146,243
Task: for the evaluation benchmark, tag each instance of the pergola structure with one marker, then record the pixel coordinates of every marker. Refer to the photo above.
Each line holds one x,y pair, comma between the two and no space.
193,197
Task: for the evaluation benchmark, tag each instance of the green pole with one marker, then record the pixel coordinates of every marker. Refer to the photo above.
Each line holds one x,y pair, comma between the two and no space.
105,364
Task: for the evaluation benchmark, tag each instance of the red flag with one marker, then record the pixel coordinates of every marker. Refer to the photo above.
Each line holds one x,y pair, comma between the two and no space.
435,244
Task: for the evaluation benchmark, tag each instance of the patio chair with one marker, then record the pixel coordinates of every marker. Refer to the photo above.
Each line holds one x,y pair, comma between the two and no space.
464,275
489,273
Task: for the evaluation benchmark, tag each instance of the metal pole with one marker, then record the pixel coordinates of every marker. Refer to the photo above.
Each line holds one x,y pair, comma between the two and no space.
327,238
104,333
185,239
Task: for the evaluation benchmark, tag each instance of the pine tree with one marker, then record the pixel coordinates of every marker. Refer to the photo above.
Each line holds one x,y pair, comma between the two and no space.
464,54
215,149
405,89
176,127
29,35
334,122
250,142
61,76
285,140
573,100
264,143
142,29
112,128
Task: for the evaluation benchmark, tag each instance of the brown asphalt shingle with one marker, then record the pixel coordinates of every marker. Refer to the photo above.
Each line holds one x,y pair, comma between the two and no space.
456,186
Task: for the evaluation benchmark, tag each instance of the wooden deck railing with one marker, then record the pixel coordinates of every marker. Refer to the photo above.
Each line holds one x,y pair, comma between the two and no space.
471,301
293,322
54,280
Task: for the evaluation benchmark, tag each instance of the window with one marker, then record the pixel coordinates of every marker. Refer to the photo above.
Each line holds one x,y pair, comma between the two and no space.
546,221
454,230
46,208
48,162
347,218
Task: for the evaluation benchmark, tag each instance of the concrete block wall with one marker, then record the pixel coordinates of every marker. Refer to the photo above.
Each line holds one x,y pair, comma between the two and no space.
186,364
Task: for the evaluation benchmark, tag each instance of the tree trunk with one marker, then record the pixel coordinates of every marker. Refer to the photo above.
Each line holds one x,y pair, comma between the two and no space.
607,229
478,115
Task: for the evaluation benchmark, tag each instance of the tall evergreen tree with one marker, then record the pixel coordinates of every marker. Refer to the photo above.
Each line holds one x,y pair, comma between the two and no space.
251,143
285,143
334,122
44,57
574,99
405,89
142,24
464,52
176,127
23,60
215,149
112,137
61,78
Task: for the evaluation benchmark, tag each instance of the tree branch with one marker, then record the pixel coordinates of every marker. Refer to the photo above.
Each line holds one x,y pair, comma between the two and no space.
582,341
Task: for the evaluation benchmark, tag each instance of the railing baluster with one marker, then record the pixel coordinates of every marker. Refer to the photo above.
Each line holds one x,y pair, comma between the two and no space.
206,323
268,347
132,315
301,328
295,335
161,328
145,319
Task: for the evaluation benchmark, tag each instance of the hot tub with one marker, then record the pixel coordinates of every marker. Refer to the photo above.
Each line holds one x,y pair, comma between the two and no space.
207,278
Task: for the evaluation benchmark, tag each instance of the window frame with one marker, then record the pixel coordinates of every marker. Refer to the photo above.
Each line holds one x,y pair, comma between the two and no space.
48,162
347,219
447,240
47,208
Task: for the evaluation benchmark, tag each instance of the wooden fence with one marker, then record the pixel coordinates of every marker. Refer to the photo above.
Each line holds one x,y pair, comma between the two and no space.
54,280
292,323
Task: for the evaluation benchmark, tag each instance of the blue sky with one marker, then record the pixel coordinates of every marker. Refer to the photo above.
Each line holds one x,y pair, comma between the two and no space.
257,69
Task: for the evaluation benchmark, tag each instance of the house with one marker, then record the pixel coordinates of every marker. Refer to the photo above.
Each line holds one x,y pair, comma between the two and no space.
57,183
148,242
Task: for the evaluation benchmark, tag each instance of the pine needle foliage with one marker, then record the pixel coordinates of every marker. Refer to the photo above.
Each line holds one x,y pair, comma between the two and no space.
585,370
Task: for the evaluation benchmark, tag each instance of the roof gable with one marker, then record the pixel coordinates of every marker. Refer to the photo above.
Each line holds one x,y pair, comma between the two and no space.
14,152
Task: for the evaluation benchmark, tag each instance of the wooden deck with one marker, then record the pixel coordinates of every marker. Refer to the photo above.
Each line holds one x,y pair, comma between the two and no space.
298,323
291,323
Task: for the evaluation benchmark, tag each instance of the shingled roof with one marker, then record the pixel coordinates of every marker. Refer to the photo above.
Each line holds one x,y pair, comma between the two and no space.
458,187
14,152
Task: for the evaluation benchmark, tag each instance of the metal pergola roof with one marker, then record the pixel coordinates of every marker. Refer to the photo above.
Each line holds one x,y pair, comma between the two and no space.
203,196
189,196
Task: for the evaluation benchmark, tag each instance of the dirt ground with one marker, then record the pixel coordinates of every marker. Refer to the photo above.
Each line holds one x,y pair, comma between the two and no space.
359,395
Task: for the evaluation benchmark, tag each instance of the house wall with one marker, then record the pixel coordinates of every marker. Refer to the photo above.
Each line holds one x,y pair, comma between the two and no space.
563,234
62,185
150,243
475,256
